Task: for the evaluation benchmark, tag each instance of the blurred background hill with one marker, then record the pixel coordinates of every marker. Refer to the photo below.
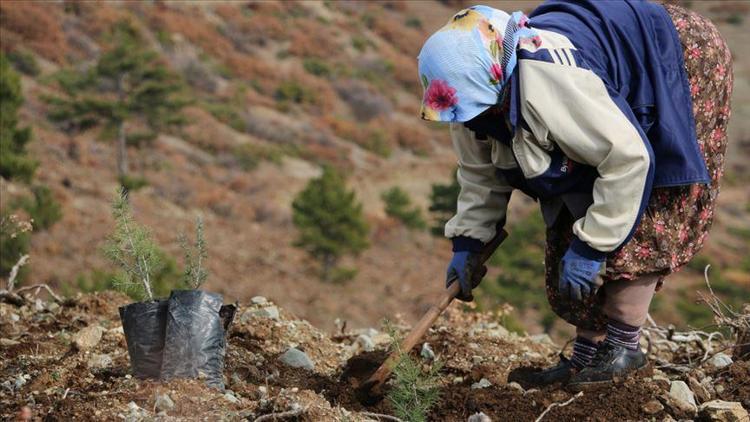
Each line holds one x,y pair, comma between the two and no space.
261,97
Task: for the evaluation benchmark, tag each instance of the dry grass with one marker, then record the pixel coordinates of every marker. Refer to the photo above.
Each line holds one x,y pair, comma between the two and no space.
36,25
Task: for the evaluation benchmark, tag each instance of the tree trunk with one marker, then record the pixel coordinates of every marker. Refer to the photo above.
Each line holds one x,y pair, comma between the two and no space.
329,261
122,152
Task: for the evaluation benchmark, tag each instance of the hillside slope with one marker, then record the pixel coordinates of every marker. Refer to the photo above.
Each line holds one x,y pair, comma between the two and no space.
277,89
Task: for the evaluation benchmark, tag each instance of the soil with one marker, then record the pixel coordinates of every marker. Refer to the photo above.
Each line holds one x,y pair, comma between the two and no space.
59,383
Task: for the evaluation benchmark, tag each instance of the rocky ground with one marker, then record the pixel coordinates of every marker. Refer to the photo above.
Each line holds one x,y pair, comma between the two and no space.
69,361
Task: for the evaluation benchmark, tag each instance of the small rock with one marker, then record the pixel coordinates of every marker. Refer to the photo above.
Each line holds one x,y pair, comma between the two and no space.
652,407
542,338
723,411
271,312
699,390
20,381
516,386
483,383
297,359
163,402
681,399
476,359
38,305
719,389
52,307
365,342
88,337
427,351
258,300
479,417
720,360
97,361
263,390
458,380
230,397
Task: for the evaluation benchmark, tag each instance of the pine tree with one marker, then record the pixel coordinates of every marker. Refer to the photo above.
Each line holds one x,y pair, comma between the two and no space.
127,85
398,205
443,203
14,161
329,220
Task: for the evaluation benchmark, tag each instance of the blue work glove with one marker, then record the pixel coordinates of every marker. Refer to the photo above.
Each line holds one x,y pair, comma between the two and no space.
579,271
466,267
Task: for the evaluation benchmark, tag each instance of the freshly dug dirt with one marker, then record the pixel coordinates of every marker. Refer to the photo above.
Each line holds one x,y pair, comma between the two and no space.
41,374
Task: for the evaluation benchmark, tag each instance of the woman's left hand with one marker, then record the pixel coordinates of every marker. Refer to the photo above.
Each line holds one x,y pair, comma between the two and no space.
579,271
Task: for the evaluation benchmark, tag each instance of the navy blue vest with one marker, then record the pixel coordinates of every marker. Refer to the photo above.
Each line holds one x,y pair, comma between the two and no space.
635,49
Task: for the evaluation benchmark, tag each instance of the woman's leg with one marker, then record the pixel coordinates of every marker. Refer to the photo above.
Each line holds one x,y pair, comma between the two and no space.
627,301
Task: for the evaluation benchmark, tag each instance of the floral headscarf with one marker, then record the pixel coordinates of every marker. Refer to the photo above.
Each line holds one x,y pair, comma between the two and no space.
464,65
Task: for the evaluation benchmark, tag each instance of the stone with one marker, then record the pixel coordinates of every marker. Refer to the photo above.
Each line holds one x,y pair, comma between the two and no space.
652,407
427,351
297,359
483,383
479,417
723,411
699,390
720,360
258,300
476,359
97,361
681,400
365,342
20,381
163,402
271,312
719,389
88,337
516,386
230,397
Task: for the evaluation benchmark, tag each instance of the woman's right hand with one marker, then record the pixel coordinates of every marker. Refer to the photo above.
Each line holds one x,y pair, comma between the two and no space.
467,268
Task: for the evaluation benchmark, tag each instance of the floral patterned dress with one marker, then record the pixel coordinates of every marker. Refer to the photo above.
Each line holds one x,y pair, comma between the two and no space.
677,220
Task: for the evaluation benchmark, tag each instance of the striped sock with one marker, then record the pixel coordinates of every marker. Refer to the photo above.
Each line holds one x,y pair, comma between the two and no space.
583,351
624,335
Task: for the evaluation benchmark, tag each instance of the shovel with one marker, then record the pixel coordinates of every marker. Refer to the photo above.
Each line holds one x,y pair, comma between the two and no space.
370,391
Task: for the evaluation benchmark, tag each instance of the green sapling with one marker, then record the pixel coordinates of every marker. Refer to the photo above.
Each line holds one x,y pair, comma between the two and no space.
132,248
195,272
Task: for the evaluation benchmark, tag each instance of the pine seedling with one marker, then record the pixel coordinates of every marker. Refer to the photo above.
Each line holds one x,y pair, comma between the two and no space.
414,390
132,248
195,272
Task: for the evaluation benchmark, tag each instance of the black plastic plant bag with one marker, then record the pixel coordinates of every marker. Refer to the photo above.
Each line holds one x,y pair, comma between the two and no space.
144,324
195,341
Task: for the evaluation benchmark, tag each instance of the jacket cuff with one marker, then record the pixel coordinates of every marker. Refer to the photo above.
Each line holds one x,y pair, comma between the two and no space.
583,249
463,243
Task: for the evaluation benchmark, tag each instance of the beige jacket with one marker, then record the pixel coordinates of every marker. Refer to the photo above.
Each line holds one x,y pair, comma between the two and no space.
566,106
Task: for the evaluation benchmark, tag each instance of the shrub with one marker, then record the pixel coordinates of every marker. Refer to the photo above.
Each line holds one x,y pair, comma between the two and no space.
521,259
329,220
195,273
292,91
43,209
413,22
24,62
132,183
317,67
228,114
443,203
398,205
249,156
15,237
14,160
364,101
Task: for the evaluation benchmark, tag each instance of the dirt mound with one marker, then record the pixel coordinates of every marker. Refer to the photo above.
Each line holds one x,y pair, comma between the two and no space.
41,374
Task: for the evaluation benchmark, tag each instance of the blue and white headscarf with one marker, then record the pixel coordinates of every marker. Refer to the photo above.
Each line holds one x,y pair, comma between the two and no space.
465,65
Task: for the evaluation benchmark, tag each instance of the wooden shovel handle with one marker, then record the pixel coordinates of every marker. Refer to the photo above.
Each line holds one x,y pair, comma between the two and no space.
378,378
